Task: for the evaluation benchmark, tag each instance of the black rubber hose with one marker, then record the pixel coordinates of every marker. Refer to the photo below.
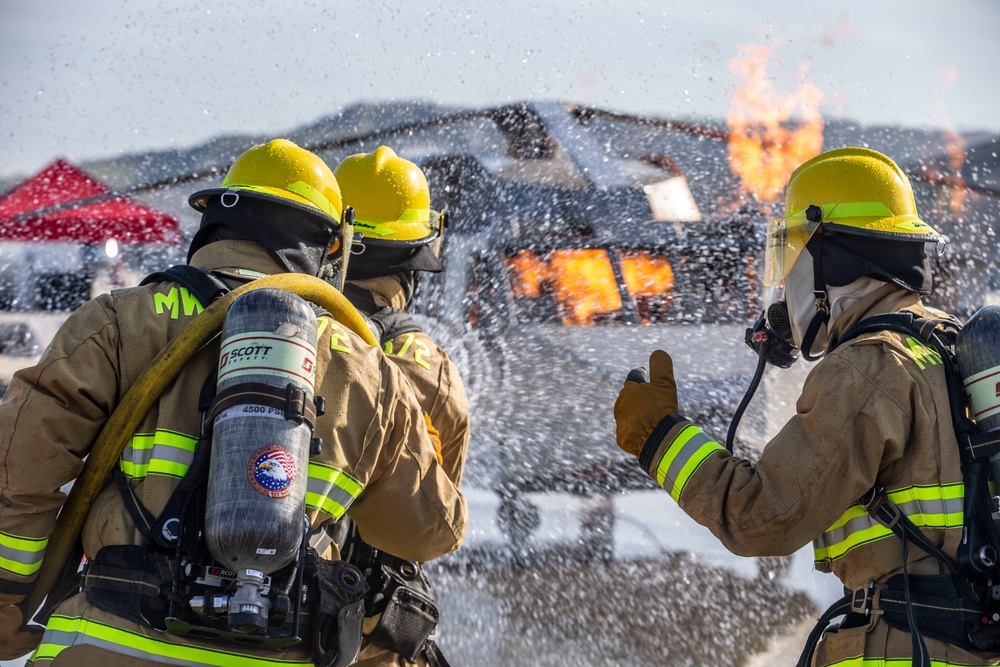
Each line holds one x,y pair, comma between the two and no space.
751,390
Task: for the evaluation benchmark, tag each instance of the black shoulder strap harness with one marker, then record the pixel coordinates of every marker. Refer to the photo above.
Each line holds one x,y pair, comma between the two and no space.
159,531
204,285
148,585
963,607
386,322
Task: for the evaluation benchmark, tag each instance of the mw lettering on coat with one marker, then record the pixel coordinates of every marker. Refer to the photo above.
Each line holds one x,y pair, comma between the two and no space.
922,354
176,300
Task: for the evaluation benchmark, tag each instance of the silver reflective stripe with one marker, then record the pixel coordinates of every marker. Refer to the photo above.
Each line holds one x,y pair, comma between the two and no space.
682,458
331,490
64,632
161,453
21,555
62,640
684,454
938,507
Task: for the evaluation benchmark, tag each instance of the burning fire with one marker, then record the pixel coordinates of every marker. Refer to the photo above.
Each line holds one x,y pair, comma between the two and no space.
956,156
952,190
764,148
582,284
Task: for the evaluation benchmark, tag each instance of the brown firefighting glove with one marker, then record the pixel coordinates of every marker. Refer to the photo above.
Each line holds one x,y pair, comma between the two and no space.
642,405
16,637
435,438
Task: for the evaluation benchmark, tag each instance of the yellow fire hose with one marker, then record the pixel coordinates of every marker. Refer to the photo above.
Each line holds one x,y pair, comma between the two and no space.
147,389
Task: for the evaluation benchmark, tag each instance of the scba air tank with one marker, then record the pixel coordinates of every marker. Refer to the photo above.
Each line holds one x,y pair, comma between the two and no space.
261,433
977,350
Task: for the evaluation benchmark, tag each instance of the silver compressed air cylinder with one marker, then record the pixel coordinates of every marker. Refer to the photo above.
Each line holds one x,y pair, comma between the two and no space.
977,350
260,452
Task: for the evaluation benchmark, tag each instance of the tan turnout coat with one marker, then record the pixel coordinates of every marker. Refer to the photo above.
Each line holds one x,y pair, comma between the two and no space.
873,410
440,392
375,446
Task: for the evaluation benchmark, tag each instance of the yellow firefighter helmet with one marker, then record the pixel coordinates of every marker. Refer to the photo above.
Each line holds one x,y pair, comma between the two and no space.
855,191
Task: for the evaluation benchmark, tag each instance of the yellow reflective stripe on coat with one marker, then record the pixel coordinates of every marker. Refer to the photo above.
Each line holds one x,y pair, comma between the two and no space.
331,490
166,453
926,507
61,632
682,458
21,555
861,661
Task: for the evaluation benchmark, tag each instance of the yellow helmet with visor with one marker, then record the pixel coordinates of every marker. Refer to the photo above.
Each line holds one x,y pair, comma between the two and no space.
855,191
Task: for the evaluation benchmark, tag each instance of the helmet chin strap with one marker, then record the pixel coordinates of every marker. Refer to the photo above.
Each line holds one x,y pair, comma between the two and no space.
822,315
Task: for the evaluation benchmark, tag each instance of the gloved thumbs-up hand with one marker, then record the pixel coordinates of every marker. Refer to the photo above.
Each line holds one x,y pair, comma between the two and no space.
16,637
643,405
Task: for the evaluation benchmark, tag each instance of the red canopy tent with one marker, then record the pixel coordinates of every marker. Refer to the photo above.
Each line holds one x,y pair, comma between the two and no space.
62,203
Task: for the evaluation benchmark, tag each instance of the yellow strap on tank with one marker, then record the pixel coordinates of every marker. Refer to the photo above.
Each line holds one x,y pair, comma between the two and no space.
147,389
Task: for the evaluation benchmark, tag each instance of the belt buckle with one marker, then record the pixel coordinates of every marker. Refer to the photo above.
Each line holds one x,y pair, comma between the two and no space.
863,599
876,502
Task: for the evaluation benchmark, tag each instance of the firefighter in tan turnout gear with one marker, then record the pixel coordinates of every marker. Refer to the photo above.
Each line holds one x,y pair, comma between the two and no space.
278,211
398,236
873,422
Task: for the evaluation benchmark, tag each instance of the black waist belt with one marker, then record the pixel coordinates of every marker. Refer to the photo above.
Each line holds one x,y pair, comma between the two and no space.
939,608
942,609
130,582
135,584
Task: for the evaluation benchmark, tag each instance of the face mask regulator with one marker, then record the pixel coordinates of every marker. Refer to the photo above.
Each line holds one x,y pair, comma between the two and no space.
770,337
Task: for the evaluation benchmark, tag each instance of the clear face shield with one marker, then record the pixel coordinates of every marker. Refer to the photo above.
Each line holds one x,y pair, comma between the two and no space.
771,333
439,218
784,243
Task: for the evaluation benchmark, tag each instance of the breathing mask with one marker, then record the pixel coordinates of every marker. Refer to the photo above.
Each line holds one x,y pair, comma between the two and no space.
771,334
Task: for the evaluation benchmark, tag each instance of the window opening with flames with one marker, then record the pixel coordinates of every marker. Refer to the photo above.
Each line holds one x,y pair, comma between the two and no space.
586,286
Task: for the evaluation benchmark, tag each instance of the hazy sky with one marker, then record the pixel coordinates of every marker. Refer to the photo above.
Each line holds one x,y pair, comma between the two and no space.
104,77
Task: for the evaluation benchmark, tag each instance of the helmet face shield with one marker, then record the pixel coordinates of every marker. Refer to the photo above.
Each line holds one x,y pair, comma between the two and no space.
785,241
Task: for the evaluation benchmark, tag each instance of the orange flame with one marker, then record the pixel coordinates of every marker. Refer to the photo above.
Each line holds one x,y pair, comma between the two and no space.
764,148
953,192
956,156
585,284
650,281
582,285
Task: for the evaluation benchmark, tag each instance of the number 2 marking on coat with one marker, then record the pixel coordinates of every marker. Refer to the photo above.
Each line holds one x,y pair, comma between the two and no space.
420,350
338,335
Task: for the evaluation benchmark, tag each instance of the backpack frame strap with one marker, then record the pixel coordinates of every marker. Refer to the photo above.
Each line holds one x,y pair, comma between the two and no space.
161,532
388,322
205,286
977,563
877,503
392,322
